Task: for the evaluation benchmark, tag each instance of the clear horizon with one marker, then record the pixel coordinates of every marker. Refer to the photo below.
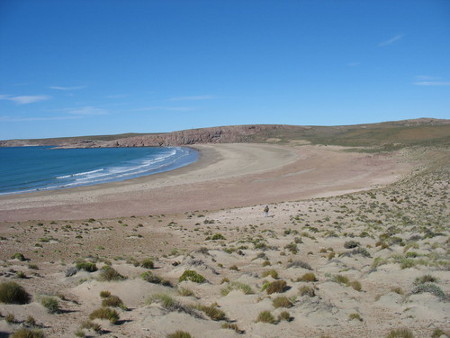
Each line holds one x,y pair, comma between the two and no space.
75,68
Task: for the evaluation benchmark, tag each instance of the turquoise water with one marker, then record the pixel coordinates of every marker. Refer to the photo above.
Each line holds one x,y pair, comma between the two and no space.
27,169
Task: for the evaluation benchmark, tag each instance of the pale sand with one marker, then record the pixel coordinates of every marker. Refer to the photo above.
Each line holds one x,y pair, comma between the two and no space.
227,175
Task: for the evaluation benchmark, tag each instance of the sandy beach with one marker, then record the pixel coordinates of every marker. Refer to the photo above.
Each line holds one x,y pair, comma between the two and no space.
227,175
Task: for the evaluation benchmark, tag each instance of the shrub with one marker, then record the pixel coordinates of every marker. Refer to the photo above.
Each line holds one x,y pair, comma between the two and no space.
397,290
108,273
13,293
278,286
217,237
400,333
232,327
285,316
356,285
18,256
86,266
356,316
438,333
351,244
10,318
282,301
148,276
246,289
105,313
273,273
105,294
341,279
51,304
91,326
266,317
30,321
191,275
212,312
307,291
431,288
292,247
307,277
299,264
170,304
425,279
148,263
114,301
27,333
179,334
185,292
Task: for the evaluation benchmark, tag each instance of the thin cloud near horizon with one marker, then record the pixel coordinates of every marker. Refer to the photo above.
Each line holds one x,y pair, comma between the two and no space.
25,99
391,40
64,88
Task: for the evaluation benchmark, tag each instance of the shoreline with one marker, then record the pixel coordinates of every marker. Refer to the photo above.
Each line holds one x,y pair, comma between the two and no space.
225,176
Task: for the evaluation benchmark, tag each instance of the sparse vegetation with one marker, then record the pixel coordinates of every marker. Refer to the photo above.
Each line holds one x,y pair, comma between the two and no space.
13,293
282,301
191,275
105,313
108,273
278,286
266,317
51,304
400,333
28,333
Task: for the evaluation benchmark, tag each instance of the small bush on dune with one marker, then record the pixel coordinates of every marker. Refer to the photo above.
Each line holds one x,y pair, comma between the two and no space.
285,316
425,279
148,263
431,288
356,285
400,333
307,291
341,279
105,294
105,313
191,275
108,273
266,317
86,266
27,333
299,264
351,244
179,334
91,326
278,286
212,312
13,293
272,273
19,257
307,277
185,292
246,289
282,301
114,301
51,304
232,326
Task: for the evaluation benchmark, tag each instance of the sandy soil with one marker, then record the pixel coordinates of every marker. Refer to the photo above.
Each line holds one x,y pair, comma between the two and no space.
361,264
227,175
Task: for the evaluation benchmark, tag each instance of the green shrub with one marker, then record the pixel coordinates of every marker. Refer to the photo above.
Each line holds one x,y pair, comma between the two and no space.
278,286
400,333
212,312
438,333
266,317
179,334
105,313
425,279
273,273
217,237
285,316
148,276
114,301
27,333
246,289
356,285
185,292
148,263
51,304
108,273
18,256
351,244
10,318
105,294
13,293
191,275
307,291
307,277
232,326
341,279
299,264
431,288
282,301
91,326
86,266
356,316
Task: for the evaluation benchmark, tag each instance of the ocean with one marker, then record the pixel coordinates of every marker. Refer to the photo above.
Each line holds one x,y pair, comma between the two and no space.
28,169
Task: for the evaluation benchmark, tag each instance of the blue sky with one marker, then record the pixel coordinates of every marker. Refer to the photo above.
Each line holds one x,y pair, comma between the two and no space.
82,67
